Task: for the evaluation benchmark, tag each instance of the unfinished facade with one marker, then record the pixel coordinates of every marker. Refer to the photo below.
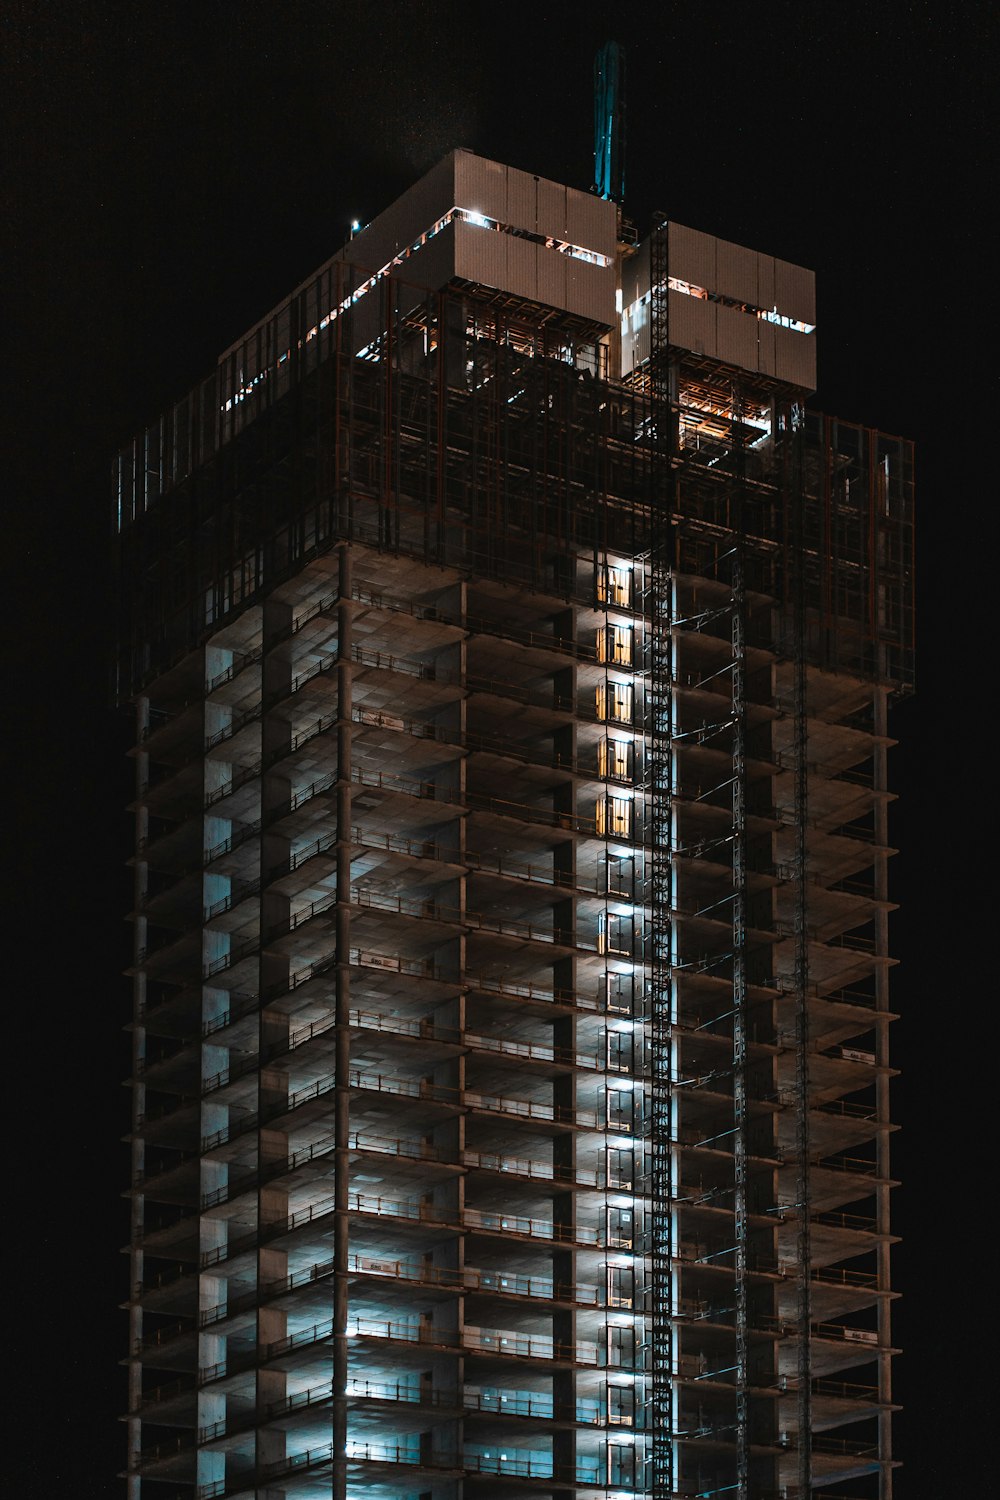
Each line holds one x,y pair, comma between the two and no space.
511,651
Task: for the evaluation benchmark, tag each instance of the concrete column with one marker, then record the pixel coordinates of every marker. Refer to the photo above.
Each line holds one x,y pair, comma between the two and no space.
883,1254
342,1097
448,1259
272,1027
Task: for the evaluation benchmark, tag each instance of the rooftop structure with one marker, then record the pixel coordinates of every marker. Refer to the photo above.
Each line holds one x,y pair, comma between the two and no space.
512,650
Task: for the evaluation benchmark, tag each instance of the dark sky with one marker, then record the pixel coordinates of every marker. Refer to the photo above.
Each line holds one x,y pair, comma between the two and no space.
168,181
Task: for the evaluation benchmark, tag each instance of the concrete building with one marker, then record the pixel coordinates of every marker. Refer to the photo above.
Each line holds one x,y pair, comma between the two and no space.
511,649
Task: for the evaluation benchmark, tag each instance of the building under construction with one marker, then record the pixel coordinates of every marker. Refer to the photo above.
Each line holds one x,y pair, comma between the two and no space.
511,649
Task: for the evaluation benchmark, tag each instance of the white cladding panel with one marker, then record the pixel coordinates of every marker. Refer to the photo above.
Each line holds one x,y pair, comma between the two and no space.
795,357
522,203
433,265
692,323
794,292
691,256
766,357
737,337
551,208
535,273
480,186
765,282
522,268
480,254
551,271
590,290
635,275
406,219
736,272
591,222
367,320
635,347
520,200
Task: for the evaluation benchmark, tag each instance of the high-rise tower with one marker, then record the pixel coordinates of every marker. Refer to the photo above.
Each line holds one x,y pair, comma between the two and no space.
512,650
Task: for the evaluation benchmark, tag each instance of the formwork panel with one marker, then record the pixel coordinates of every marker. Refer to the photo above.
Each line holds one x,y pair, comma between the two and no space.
433,265
736,272
766,356
635,341
522,203
736,334
692,322
521,276
591,222
366,321
590,290
416,210
551,271
635,275
550,208
483,255
795,291
691,256
481,187
795,357
765,283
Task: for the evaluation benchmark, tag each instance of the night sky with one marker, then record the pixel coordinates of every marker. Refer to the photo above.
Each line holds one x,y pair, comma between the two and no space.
169,181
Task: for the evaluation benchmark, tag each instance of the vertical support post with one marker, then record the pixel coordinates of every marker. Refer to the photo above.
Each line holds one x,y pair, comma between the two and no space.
659,721
802,1144
342,1094
883,1148
740,982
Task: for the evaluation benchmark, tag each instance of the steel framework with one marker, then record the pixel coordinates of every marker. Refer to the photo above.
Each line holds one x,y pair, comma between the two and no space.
576,961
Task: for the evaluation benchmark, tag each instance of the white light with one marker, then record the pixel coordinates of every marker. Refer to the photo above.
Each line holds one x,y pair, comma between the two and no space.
474,217
355,225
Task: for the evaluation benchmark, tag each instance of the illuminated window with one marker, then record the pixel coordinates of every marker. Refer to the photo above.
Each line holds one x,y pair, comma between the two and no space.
621,1464
614,817
620,1051
621,1167
613,759
621,1348
614,644
621,1110
614,933
621,1286
620,993
614,701
614,585
619,874
621,1406
621,1228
